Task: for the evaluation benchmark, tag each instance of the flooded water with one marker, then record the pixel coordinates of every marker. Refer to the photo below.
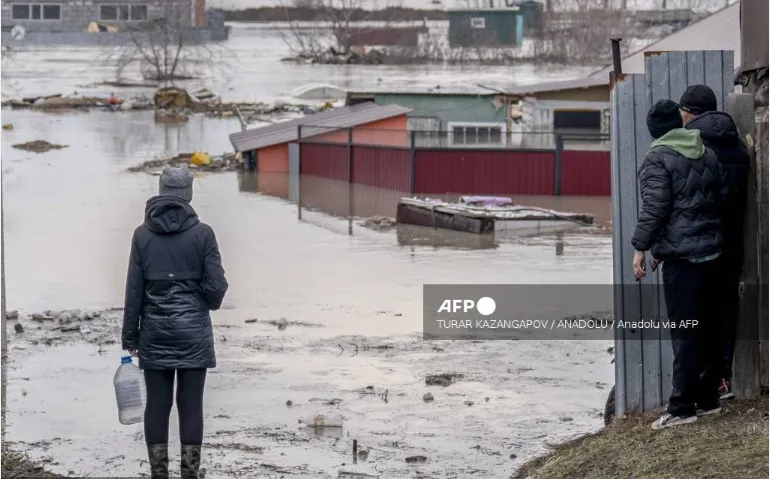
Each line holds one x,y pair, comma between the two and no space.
352,296
248,68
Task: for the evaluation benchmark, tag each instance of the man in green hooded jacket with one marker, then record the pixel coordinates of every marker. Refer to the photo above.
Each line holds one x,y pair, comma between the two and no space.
682,186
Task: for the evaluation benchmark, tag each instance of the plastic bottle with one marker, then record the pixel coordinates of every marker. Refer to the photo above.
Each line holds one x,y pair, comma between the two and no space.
129,391
323,420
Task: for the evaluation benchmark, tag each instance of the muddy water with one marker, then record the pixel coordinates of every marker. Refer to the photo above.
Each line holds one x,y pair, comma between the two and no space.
249,68
357,298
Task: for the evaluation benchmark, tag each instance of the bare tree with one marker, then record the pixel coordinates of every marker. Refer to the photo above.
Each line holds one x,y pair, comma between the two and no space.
336,24
165,48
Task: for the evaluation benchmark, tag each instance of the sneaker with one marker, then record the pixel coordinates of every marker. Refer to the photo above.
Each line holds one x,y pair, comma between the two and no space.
725,390
669,420
708,412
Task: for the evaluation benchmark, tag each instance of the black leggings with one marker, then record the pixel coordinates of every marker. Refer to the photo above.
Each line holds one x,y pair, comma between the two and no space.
189,405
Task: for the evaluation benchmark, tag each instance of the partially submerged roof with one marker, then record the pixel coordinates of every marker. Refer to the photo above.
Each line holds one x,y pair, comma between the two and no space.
453,90
284,132
719,31
319,92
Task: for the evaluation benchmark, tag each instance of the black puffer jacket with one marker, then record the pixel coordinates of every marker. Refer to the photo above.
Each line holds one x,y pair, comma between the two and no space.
719,133
682,185
175,278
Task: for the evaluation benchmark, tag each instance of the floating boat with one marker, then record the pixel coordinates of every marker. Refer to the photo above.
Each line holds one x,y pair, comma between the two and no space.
480,218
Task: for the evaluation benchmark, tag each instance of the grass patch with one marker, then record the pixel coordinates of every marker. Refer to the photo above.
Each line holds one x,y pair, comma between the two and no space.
731,444
19,465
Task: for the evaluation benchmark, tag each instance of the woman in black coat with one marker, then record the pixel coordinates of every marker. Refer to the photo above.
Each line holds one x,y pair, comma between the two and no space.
175,278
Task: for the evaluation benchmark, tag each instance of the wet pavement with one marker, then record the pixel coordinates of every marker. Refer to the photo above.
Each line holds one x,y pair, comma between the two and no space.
353,304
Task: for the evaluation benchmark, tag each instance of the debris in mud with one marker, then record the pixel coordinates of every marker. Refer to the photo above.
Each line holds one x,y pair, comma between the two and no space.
38,146
56,327
566,419
444,379
12,315
8,126
224,162
379,223
289,403
253,320
322,420
18,328
468,403
281,323
416,460
237,446
347,474
427,397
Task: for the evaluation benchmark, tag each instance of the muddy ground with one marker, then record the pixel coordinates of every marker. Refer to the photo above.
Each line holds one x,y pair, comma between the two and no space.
470,408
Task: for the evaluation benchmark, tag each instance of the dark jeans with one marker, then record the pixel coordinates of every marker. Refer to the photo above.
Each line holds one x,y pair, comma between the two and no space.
691,294
189,405
729,272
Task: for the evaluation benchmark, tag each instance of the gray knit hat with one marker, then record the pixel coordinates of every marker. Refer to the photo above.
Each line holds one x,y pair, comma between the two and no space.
177,182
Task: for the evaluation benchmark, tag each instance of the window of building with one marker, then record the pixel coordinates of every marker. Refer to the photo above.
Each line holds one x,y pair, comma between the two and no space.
123,12
36,11
478,22
138,12
577,120
480,134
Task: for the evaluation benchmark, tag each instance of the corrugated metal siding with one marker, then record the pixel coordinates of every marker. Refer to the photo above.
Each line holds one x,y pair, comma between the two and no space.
324,160
585,173
484,172
644,359
381,167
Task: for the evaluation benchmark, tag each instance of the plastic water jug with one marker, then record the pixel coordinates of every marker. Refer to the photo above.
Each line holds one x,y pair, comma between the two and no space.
129,391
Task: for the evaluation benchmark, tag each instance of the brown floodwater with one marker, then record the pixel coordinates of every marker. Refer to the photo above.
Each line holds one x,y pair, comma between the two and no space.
69,215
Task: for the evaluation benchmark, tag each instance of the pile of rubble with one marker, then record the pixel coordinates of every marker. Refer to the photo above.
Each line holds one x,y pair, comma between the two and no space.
171,105
333,57
74,102
224,162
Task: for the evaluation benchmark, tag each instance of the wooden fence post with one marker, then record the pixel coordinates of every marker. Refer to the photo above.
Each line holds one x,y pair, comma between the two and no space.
557,164
746,361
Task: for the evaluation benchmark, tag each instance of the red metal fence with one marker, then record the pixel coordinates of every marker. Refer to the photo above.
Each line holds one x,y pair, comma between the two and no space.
484,172
461,169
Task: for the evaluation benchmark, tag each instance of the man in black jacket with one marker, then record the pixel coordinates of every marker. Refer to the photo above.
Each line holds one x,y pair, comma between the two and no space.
682,185
717,129
175,278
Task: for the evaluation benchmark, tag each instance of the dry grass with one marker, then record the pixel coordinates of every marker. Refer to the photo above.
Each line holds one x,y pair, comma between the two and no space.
18,465
733,444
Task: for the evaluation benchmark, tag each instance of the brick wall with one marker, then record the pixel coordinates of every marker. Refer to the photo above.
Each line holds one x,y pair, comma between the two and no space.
76,15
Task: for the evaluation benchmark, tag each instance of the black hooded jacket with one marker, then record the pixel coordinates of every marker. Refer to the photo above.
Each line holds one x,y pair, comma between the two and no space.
175,278
719,133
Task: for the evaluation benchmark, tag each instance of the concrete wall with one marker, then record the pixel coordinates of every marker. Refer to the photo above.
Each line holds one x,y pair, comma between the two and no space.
449,108
77,14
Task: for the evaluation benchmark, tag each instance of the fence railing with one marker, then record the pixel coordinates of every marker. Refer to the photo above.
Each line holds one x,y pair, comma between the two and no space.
491,162
483,136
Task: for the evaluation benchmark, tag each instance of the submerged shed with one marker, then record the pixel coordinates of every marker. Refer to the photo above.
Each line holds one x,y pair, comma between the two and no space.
267,148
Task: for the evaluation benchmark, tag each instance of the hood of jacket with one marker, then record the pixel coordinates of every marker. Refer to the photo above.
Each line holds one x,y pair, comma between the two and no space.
169,215
687,143
716,128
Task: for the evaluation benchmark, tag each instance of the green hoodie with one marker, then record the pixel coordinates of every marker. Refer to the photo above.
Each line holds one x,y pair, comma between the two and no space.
685,142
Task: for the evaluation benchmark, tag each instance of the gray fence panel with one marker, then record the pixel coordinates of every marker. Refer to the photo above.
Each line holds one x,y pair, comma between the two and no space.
294,172
643,360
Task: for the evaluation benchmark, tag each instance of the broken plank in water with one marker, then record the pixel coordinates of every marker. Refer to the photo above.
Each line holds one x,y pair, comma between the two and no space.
478,219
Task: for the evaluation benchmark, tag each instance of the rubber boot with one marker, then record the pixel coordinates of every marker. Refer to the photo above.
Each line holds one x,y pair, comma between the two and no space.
158,455
191,462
